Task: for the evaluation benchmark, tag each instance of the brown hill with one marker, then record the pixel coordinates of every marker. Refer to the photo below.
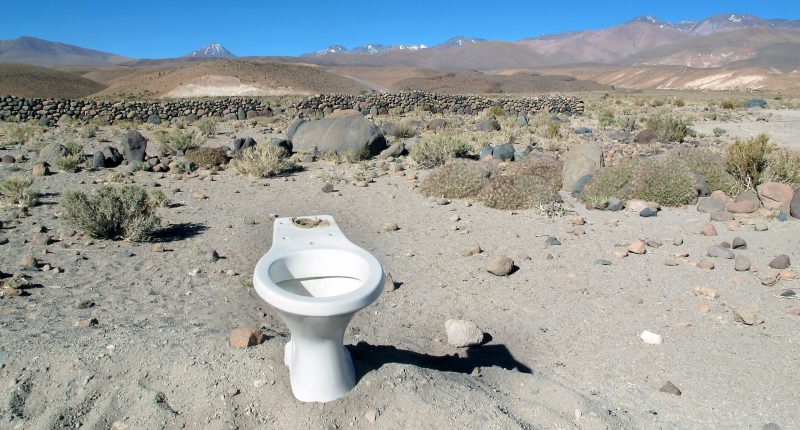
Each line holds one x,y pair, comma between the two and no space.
220,78
604,46
32,81
39,52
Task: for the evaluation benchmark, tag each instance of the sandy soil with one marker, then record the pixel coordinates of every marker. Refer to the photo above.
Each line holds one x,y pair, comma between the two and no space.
564,352
781,125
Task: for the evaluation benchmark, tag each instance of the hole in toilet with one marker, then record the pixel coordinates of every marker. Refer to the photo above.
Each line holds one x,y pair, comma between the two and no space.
310,222
323,286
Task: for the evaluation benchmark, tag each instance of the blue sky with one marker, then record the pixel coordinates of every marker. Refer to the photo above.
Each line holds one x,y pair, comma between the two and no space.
159,29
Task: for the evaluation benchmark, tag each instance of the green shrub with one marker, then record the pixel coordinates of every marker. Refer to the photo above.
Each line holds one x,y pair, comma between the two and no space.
70,161
437,149
658,103
783,165
26,134
728,104
668,128
665,180
627,122
718,131
518,192
207,157
174,141
263,161
88,131
538,165
747,159
207,126
606,118
16,189
113,212
678,103
614,181
712,167
456,179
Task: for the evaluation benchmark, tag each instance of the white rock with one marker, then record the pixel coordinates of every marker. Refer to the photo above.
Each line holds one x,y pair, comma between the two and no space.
650,338
463,333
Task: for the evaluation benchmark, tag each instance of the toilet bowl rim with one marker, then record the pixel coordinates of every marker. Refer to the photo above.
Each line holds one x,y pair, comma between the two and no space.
353,301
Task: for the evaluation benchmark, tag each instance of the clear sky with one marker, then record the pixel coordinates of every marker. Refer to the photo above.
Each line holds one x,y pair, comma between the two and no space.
159,29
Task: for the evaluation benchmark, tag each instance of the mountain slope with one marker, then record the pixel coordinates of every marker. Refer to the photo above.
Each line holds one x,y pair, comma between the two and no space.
32,81
212,50
39,52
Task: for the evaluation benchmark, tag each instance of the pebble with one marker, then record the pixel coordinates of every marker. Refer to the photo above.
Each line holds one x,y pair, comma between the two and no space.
158,248
212,256
637,247
552,241
371,415
327,187
602,262
84,304
786,275
677,241
442,201
670,388
199,196
620,253
390,226
648,212
462,333
769,280
720,252
739,243
706,292
125,253
244,337
41,239
760,226
705,264
576,220
27,262
670,263
388,283
741,264
473,249
709,230
40,169
454,218
577,231
747,314
258,383
651,338
500,265
780,262
704,308
91,322
652,243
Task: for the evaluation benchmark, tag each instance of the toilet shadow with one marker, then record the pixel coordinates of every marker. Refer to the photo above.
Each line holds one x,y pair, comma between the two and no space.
367,358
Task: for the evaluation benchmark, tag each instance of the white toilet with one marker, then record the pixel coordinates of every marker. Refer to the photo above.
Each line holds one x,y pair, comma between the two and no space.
316,279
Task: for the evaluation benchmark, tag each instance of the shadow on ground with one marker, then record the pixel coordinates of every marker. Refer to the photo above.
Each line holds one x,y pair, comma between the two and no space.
368,357
176,232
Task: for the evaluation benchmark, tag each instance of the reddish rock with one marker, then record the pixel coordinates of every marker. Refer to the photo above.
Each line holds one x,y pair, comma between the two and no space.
720,196
709,230
244,337
741,207
775,195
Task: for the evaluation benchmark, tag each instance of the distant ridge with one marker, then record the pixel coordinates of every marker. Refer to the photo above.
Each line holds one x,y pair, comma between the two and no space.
212,50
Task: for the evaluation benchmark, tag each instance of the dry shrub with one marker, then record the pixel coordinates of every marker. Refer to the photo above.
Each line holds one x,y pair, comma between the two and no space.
538,165
783,165
747,159
263,161
613,181
712,167
518,192
457,179
207,126
174,141
16,190
114,212
207,157
668,128
436,149
665,180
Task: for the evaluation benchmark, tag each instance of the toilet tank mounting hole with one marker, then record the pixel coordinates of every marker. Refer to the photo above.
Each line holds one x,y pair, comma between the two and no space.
310,222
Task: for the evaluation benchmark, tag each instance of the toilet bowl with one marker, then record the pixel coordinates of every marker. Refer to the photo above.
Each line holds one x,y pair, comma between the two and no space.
316,280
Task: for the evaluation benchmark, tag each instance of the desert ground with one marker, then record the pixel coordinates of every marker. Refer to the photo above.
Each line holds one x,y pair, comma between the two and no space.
562,346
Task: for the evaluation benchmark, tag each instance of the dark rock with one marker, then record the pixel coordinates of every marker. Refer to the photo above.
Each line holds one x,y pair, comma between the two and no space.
134,146
212,256
9,159
583,130
780,262
700,184
112,157
739,243
504,152
577,189
552,241
756,103
670,388
98,160
238,144
283,143
486,152
794,205
436,124
709,205
614,204
645,136
648,212
489,124
351,134
154,119
230,117
241,115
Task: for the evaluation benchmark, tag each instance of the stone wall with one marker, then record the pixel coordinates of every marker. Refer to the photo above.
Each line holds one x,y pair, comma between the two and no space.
50,111
385,103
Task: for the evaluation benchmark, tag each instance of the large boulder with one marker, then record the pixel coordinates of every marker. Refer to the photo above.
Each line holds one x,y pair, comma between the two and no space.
352,134
134,146
112,157
794,206
52,151
775,195
580,160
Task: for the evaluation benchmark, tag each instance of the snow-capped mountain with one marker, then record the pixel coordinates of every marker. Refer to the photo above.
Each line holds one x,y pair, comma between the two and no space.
331,50
459,41
373,48
682,26
212,50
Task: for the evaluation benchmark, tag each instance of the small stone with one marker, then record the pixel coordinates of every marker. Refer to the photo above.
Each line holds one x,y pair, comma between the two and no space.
91,322
741,264
620,253
388,282
648,212
786,275
706,292
41,239
390,226
602,262
371,415
442,201
670,263
40,169
652,243
733,225
738,243
747,314
721,216
769,280
720,252
670,388
703,308
454,218
637,247
677,241
27,262
788,294
780,262
760,226
244,337
212,256
258,383
327,188
577,231
158,248
705,264
650,338
84,304
614,204
500,265
125,253
9,291
576,220
709,230
462,333
473,249
552,241
199,196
